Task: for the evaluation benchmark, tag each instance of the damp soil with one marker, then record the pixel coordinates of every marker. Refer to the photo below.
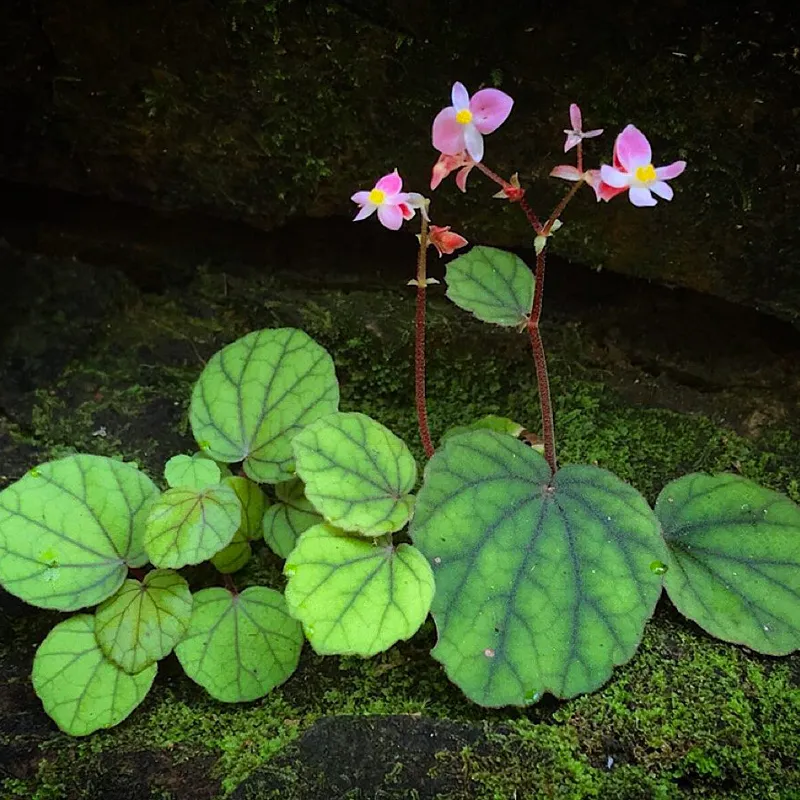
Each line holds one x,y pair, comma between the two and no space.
107,316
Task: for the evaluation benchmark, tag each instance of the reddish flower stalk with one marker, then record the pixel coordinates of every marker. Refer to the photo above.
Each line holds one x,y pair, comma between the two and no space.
419,343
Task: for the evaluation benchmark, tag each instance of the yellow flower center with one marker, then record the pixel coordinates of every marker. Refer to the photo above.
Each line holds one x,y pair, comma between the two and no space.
376,197
464,116
646,174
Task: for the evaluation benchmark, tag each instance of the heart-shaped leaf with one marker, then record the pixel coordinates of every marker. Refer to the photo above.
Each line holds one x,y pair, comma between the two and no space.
495,285
357,473
239,647
253,502
285,521
143,622
233,557
491,422
734,563
353,597
187,526
192,472
254,395
69,530
543,583
80,688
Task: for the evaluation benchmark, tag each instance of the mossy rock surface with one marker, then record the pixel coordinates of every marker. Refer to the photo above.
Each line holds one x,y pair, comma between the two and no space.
263,112
688,717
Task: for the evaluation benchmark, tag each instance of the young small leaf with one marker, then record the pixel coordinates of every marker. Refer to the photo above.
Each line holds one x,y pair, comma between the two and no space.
143,622
543,582
254,503
239,647
80,689
233,557
69,530
283,525
187,526
357,473
254,395
490,422
192,472
352,597
495,285
734,564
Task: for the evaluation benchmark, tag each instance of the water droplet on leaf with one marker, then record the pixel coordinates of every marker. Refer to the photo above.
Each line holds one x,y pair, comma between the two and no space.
34,473
489,653
531,697
658,567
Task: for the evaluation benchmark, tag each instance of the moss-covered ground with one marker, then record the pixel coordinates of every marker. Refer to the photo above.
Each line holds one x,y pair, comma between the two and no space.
95,365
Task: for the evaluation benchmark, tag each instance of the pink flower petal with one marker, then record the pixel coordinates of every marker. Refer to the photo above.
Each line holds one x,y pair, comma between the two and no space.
360,198
638,195
448,135
391,183
566,172
459,96
390,216
490,109
364,212
605,192
575,118
406,210
473,141
633,149
461,177
671,170
572,140
662,189
614,177
592,134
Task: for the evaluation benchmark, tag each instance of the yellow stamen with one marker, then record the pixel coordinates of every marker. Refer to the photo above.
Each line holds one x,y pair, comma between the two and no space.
464,116
376,197
646,174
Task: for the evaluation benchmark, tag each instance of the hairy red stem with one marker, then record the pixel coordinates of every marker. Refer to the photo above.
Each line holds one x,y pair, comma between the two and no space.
419,343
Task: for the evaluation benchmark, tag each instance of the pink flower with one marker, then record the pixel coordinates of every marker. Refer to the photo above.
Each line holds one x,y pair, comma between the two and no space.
633,170
391,203
575,135
463,125
447,164
444,240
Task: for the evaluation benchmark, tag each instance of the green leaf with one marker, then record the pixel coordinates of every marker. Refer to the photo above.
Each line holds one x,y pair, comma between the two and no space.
69,530
734,565
80,689
255,394
239,647
286,520
254,503
495,285
357,473
143,622
192,472
490,422
187,526
353,597
234,556
543,583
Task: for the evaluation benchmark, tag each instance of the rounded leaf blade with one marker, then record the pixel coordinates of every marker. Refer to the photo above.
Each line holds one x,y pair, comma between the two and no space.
81,690
193,472
254,395
187,526
357,473
233,557
239,647
543,583
495,285
142,622
352,597
69,530
253,501
734,564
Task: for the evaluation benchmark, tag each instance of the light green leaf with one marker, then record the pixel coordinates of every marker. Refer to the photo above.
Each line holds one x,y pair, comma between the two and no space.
357,473
234,556
239,647
543,583
255,394
495,285
143,622
80,689
353,597
254,503
283,524
192,472
734,564
490,422
69,530
187,526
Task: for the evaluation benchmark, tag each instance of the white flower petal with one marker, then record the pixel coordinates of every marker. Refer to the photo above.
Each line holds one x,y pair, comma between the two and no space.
614,177
473,141
640,196
460,96
662,189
